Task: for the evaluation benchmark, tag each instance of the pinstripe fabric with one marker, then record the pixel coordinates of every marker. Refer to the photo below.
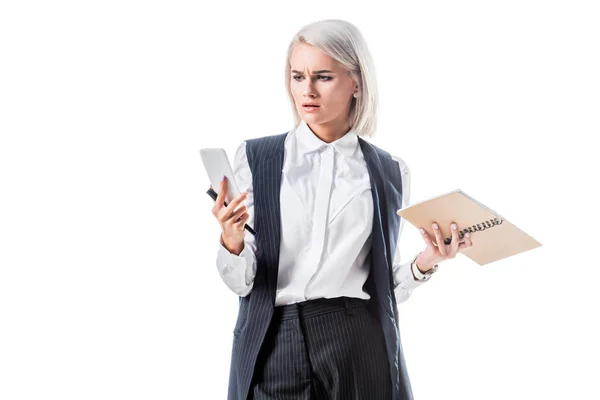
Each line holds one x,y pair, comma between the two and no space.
387,199
265,157
323,352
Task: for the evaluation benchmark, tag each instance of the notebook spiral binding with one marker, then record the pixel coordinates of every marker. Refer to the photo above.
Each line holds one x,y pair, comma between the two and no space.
482,226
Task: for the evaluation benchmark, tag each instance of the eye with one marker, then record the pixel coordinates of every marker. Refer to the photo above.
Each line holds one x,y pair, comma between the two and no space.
326,78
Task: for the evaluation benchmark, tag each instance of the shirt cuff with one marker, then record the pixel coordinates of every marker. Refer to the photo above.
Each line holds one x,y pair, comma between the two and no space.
229,262
405,278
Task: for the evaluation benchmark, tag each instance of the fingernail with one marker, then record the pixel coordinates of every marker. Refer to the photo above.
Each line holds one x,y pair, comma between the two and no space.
467,234
453,227
223,178
422,231
435,226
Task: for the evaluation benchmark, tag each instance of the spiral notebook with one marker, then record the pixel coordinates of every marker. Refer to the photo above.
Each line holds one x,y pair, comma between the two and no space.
494,237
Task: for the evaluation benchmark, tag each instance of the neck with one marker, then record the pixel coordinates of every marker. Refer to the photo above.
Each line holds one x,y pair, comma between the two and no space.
329,131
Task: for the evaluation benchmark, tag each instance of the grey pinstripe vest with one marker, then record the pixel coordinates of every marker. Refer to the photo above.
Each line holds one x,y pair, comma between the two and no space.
265,157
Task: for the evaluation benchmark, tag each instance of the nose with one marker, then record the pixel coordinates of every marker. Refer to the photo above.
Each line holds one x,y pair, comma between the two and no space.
309,90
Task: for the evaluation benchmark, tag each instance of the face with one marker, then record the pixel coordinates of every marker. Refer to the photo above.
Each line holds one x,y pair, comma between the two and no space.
319,79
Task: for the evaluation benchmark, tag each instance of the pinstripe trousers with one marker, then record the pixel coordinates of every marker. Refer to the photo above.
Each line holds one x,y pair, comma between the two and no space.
323,349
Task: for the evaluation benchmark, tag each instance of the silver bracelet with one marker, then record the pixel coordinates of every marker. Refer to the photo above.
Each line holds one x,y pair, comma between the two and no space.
421,276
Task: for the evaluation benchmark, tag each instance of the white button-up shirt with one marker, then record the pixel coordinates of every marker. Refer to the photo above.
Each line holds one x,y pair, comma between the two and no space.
326,223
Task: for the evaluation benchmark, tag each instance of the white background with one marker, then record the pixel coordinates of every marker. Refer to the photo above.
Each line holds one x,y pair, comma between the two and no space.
108,283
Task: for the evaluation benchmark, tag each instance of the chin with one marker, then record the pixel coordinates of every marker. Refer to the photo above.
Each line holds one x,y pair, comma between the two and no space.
313,118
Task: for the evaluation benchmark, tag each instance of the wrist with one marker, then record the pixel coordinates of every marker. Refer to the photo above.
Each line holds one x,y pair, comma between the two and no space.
423,265
419,274
233,248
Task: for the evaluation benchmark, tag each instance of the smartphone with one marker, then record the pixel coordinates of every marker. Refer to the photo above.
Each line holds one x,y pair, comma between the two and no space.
217,164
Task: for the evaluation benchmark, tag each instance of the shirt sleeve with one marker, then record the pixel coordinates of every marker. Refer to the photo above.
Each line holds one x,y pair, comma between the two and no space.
238,271
404,279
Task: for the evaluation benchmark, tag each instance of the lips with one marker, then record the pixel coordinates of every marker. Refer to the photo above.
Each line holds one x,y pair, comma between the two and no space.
309,105
310,109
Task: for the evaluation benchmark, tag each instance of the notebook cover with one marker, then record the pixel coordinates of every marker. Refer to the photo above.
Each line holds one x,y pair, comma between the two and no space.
493,236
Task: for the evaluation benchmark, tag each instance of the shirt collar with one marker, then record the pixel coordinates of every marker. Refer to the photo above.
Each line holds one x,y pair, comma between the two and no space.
346,145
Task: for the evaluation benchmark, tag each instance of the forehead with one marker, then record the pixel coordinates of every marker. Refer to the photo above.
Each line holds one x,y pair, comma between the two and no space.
310,58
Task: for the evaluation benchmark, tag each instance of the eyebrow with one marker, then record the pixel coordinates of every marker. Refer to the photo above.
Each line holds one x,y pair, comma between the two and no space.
314,72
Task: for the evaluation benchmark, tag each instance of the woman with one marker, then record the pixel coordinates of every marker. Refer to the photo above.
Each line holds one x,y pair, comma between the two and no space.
318,286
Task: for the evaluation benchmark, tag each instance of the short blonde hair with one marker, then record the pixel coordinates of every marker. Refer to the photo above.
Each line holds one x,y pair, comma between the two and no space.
342,41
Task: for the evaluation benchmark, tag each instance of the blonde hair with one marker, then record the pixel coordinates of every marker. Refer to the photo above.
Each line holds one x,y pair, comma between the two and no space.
342,41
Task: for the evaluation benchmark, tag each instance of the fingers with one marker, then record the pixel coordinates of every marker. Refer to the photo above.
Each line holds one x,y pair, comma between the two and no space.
426,238
439,239
467,243
242,220
455,241
226,215
236,201
220,201
221,211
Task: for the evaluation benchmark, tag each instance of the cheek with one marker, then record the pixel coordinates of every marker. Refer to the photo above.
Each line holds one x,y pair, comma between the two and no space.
337,94
297,93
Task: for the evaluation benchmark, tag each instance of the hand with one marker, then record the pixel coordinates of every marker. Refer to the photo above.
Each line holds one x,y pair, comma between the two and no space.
232,220
436,253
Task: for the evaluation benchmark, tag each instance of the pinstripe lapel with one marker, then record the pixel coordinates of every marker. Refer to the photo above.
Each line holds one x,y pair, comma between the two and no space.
380,228
381,262
268,174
